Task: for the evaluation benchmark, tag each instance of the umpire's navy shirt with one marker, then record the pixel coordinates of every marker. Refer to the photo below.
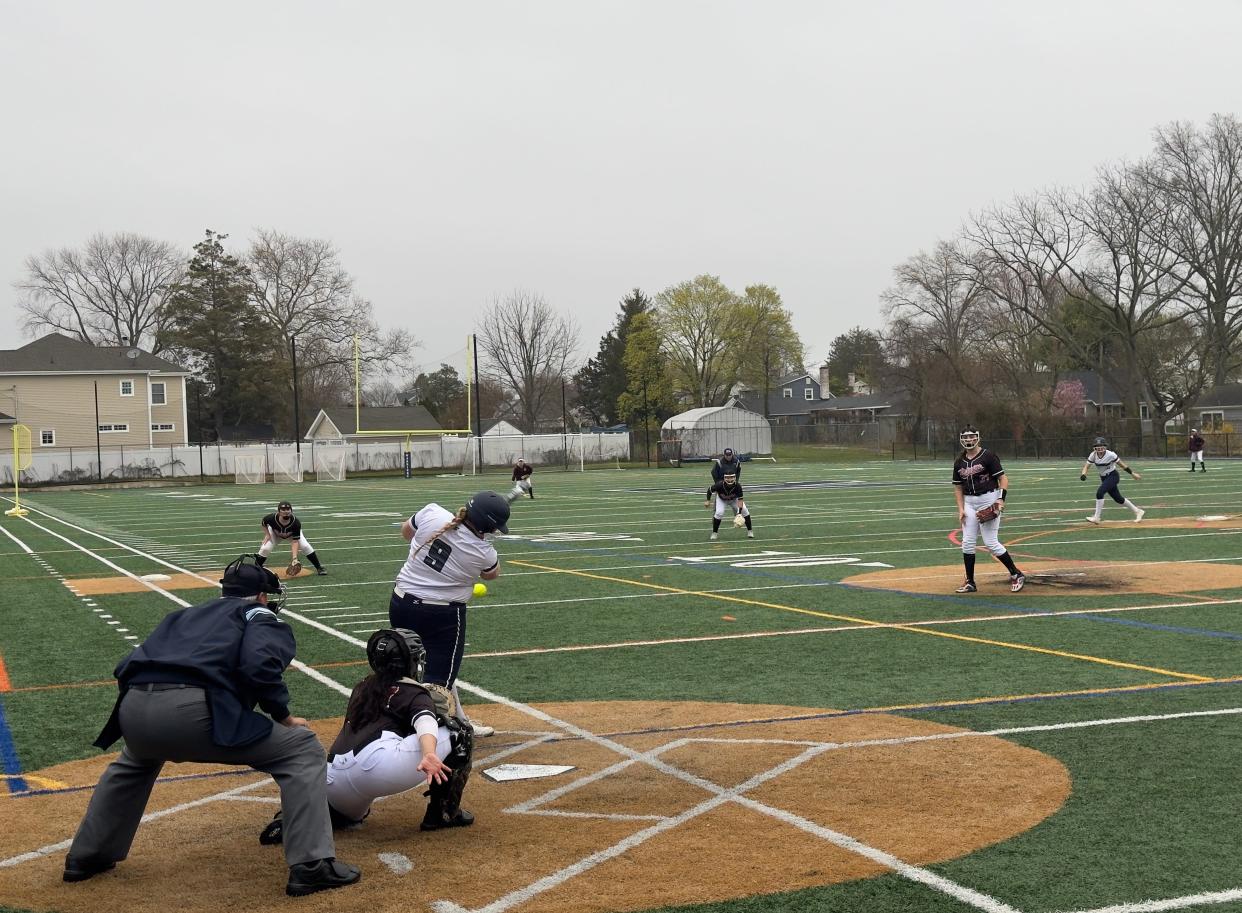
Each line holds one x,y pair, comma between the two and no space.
234,648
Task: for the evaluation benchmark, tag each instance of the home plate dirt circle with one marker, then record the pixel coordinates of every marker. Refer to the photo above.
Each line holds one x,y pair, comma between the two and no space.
609,835
1061,577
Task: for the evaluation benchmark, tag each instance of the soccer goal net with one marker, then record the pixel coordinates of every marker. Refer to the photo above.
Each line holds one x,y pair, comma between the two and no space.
286,466
330,464
250,468
670,453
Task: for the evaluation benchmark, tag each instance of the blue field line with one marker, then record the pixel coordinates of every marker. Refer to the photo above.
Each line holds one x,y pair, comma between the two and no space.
935,597
8,756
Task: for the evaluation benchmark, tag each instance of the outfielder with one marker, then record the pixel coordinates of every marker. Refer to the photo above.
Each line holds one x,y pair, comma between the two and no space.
398,734
1107,462
521,476
1194,444
728,495
980,486
283,526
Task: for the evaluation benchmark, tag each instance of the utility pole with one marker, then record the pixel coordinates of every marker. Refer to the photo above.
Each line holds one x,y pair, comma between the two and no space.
297,415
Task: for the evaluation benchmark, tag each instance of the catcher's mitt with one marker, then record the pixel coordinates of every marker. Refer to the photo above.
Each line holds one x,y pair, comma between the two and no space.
293,569
739,520
991,512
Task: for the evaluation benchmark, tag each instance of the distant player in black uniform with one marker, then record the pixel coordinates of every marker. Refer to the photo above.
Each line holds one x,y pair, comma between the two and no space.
285,527
1194,444
980,485
728,494
728,464
521,475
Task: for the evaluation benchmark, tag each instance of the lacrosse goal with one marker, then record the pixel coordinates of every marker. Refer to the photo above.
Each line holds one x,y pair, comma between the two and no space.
330,463
286,466
250,468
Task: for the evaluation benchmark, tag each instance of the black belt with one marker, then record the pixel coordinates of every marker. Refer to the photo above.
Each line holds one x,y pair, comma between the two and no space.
161,686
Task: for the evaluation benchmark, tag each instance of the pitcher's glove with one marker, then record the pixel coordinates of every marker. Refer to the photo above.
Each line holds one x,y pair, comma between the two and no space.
293,569
991,512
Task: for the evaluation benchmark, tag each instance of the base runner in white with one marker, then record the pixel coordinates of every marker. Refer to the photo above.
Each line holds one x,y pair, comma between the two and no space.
399,734
1107,463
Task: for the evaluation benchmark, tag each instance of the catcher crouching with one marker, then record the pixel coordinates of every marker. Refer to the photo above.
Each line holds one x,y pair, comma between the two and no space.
284,526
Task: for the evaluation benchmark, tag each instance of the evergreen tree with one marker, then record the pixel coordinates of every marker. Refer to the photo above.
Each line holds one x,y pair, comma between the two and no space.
602,380
214,327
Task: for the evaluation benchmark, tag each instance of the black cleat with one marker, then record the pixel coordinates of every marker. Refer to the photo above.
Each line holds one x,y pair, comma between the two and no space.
320,875
432,822
321,571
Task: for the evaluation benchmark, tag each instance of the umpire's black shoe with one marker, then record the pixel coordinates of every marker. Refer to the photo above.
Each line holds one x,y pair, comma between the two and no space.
82,869
320,875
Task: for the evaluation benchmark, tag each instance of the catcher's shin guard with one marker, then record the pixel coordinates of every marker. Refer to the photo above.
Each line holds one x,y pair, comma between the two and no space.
444,809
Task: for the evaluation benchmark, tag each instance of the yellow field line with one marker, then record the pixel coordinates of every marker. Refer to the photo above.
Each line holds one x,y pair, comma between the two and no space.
870,623
36,780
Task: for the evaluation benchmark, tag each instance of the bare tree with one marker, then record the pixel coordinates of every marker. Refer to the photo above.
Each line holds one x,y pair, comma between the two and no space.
110,292
529,348
1200,172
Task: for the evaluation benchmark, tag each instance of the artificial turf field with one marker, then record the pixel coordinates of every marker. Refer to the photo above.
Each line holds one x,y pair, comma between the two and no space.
810,720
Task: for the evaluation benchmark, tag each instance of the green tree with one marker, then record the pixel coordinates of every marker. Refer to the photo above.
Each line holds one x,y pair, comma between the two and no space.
700,325
771,348
602,380
648,396
443,393
858,352
213,325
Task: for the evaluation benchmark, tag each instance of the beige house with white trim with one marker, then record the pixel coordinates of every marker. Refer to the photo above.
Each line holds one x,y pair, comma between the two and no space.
50,385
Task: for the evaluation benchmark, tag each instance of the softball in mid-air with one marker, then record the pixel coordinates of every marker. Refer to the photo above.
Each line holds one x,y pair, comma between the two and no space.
480,589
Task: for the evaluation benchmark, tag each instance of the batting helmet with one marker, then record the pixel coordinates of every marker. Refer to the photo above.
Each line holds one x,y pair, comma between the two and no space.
1100,442
247,577
397,653
488,512
969,437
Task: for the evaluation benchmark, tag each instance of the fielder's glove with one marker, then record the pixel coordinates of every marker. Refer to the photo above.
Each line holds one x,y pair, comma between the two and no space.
991,512
739,520
294,569
1083,477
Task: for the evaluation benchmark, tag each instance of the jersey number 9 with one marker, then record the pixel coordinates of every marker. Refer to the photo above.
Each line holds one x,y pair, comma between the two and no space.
437,553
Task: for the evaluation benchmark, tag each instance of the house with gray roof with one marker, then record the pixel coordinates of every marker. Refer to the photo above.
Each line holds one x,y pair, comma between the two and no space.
341,423
74,394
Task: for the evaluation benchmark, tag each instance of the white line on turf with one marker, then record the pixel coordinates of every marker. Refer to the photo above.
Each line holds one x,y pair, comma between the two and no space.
1172,903
22,545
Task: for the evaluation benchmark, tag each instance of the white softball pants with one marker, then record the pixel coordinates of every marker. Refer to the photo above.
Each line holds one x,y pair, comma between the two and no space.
303,546
972,527
1196,455
722,505
385,767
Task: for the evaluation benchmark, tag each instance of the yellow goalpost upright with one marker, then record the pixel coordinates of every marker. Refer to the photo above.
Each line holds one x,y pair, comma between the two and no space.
22,459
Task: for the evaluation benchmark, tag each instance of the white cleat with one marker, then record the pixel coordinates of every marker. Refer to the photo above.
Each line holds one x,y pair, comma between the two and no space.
482,731
1095,520
1139,516
750,534
713,537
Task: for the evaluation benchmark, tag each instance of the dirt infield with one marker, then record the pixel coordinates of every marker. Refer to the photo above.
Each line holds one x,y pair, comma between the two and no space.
1061,576
107,586
923,801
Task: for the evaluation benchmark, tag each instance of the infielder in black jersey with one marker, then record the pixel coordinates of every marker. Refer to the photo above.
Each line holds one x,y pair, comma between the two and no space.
521,475
283,526
728,494
980,486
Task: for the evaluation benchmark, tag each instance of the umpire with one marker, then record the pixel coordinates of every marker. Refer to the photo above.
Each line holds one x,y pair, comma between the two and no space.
729,464
188,693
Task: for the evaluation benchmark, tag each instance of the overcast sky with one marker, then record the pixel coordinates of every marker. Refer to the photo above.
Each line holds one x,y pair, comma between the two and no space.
457,151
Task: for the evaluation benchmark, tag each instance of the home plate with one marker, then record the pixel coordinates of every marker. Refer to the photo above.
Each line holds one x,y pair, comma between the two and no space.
155,578
504,772
1210,517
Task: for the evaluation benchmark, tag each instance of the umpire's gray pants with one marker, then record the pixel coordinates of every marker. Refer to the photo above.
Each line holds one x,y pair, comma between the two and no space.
175,726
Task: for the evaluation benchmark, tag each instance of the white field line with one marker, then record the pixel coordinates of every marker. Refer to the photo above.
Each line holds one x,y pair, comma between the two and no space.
1173,903
44,851
22,545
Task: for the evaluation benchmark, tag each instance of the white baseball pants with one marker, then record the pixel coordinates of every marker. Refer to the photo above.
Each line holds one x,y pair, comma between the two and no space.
385,767
972,527
722,505
303,546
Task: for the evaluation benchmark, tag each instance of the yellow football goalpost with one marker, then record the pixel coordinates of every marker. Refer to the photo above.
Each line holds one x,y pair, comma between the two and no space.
410,434
21,461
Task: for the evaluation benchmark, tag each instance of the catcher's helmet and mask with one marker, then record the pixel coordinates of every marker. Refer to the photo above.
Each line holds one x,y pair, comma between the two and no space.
969,438
488,512
246,577
398,653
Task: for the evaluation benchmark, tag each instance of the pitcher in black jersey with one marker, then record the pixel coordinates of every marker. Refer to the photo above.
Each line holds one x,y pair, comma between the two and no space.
283,526
980,485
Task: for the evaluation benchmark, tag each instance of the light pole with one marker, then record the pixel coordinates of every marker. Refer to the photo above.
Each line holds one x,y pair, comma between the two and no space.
297,415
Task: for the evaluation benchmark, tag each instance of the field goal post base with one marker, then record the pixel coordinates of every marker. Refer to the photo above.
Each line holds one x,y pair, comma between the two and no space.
22,460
